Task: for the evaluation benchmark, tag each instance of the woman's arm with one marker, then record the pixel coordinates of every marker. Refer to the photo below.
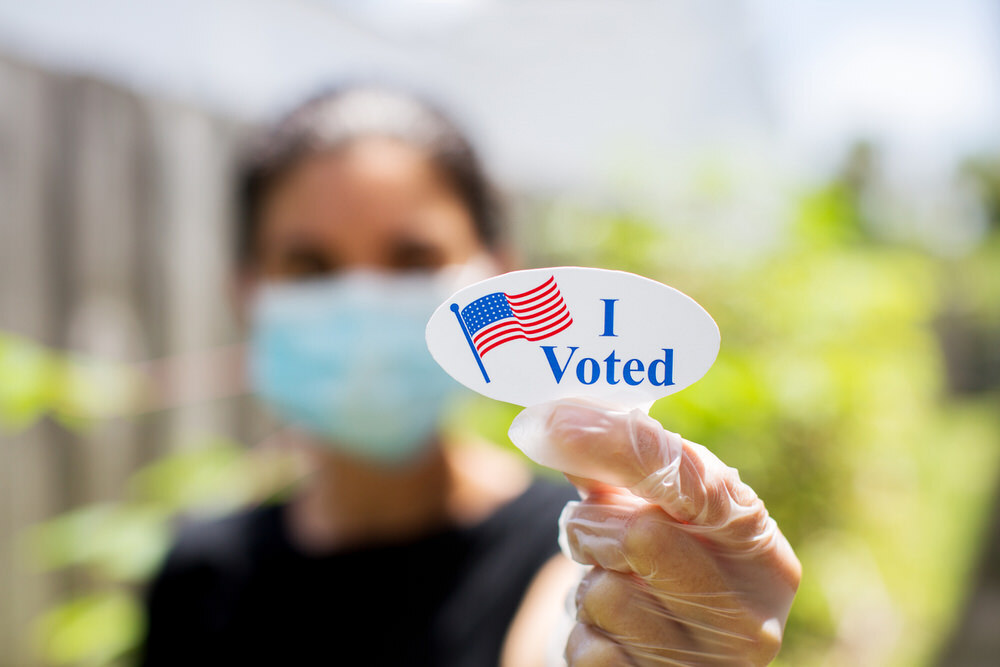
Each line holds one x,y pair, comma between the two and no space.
539,630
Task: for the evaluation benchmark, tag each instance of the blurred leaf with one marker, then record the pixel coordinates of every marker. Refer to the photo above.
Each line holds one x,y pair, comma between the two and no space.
216,474
94,389
29,377
74,389
115,541
90,630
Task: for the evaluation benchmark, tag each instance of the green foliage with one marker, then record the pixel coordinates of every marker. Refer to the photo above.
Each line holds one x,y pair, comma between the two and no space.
216,475
119,546
96,629
120,542
70,388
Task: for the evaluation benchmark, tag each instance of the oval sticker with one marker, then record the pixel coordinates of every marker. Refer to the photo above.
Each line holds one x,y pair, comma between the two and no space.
532,336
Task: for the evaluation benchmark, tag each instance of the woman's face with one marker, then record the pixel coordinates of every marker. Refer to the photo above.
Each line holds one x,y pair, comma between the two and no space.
345,360
376,203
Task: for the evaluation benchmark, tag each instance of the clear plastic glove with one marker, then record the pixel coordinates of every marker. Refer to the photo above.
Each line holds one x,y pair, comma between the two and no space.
688,568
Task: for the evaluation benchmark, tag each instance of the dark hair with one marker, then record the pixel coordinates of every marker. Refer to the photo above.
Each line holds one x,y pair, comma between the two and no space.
348,113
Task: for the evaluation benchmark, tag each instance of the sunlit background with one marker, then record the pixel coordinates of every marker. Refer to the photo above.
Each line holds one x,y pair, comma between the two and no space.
823,177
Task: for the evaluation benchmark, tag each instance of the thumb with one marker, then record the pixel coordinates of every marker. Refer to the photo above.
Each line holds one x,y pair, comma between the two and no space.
593,441
632,450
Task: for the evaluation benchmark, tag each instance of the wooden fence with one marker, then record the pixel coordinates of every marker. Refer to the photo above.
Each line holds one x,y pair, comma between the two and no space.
113,241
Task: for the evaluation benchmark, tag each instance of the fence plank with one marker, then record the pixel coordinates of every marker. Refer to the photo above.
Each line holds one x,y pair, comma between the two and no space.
103,317
193,163
29,490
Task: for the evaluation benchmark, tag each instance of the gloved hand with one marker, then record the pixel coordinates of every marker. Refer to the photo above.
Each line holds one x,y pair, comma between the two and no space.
688,568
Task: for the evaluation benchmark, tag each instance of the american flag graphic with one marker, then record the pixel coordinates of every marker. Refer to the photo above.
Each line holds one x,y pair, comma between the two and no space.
499,317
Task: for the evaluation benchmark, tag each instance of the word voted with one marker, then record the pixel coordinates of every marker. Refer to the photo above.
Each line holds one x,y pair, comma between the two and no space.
659,372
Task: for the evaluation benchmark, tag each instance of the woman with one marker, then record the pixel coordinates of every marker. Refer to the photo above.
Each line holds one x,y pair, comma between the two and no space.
362,210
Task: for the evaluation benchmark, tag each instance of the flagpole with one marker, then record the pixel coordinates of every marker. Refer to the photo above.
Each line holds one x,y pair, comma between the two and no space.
468,338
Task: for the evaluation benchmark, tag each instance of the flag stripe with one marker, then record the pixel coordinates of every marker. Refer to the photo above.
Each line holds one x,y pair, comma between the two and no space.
551,280
531,338
543,317
530,311
509,327
534,298
540,315
533,321
530,335
532,326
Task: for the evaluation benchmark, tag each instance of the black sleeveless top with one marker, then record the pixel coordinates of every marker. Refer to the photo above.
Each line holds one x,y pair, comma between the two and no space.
236,591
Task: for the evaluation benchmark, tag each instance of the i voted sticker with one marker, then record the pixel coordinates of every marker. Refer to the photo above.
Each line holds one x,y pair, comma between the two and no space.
532,336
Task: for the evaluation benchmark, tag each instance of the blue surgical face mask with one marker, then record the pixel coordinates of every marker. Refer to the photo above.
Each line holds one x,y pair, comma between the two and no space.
344,358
